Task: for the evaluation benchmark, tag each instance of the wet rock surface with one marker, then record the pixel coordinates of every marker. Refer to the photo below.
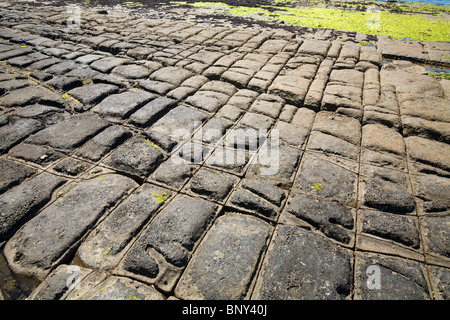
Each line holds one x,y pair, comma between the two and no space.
154,158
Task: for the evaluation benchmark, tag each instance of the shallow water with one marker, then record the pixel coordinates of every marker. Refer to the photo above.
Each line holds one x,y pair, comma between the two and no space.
438,2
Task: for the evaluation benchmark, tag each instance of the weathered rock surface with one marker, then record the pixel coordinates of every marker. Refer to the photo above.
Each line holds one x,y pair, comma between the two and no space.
21,203
105,245
303,265
70,133
153,154
36,249
165,247
226,258
136,156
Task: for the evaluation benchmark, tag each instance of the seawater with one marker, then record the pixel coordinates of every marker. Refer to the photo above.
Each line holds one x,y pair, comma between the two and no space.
438,2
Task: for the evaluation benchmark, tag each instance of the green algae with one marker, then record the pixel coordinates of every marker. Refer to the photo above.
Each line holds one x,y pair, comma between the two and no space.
444,75
161,197
402,24
133,4
150,143
317,186
68,96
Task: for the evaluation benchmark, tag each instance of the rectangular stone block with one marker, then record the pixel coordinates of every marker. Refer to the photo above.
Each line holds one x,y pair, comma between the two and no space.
13,133
70,133
152,111
21,203
137,156
103,142
325,179
165,247
311,266
106,244
13,173
221,270
120,106
45,241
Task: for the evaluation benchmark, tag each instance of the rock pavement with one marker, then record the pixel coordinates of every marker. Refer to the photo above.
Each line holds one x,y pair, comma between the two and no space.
161,158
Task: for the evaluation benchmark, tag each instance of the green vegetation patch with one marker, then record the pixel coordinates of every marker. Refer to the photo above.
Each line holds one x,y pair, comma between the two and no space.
402,25
444,75
133,4
161,197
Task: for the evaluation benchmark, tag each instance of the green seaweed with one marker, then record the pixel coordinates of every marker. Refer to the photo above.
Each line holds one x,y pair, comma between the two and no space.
317,186
444,75
150,143
365,43
402,25
68,96
133,4
161,197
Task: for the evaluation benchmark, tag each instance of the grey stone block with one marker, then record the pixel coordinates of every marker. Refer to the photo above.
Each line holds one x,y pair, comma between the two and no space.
310,266
220,269
120,106
137,156
23,202
13,173
105,245
70,133
379,277
46,239
333,219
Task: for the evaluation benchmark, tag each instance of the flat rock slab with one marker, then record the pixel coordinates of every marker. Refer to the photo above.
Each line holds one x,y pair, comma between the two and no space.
165,247
174,173
429,152
118,288
131,71
152,111
71,167
331,145
70,133
436,235
290,86
43,156
103,142
433,190
214,185
93,93
333,219
325,179
389,274
399,228
169,156
387,196
21,203
121,105
105,245
210,101
175,126
13,173
339,126
108,63
171,75
30,95
309,265
13,133
14,53
223,265
378,137
38,247
137,156
58,283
